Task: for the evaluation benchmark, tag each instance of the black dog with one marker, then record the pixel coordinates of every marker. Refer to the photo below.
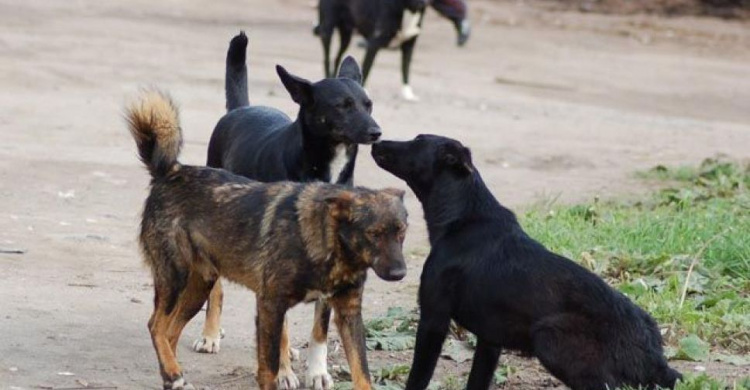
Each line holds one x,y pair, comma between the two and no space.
379,21
264,144
490,277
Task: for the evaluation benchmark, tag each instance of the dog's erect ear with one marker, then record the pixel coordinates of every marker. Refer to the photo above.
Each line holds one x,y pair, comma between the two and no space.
457,158
350,70
340,205
395,192
299,88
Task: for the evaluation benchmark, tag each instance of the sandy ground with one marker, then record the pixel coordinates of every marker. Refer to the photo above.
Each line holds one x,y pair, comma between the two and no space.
552,104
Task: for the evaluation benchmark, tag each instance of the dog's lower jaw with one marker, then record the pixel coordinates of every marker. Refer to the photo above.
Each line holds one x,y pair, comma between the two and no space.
286,380
317,376
178,384
408,94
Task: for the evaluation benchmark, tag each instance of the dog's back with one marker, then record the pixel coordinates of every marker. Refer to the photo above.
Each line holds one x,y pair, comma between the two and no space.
244,139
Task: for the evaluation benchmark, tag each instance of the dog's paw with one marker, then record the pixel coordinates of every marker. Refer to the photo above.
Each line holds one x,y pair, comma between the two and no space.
286,380
317,376
322,381
408,94
178,384
207,344
293,353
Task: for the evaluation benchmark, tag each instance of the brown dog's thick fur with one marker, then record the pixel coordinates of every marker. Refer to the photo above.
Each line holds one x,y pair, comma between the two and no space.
288,242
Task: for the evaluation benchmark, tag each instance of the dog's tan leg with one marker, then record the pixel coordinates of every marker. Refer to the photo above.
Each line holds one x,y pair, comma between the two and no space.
269,328
158,325
286,378
317,376
210,340
348,317
166,327
190,303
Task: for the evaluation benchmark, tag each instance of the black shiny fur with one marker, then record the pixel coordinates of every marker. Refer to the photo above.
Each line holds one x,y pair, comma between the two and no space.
489,276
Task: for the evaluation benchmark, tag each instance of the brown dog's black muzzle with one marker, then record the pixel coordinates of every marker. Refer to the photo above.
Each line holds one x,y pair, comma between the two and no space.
394,271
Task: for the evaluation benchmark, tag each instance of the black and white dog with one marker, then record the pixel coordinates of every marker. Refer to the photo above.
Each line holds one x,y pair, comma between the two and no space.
264,144
488,275
381,22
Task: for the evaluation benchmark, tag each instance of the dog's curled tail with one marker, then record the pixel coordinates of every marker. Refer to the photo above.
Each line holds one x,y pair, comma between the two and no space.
154,123
235,83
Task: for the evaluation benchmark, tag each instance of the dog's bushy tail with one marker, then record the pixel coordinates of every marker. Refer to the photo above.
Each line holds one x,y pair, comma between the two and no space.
235,84
154,123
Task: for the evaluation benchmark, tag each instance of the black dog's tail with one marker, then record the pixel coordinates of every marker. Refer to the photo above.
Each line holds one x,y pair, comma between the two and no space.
235,84
154,123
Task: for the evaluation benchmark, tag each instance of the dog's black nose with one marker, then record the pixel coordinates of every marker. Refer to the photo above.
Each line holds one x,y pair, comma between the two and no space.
374,134
396,274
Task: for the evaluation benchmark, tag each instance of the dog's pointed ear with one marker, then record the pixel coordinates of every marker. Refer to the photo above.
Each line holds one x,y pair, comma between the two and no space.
340,205
300,89
458,158
395,192
350,70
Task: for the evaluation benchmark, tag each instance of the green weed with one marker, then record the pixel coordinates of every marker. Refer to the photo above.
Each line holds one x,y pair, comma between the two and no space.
683,254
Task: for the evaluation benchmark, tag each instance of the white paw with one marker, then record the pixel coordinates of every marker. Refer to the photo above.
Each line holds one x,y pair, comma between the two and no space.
293,353
408,94
323,381
317,376
207,344
179,384
286,380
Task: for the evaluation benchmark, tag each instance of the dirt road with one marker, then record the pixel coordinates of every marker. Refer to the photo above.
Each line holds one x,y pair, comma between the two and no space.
551,103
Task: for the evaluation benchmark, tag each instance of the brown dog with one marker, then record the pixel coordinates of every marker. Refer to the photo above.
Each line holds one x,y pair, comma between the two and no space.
288,242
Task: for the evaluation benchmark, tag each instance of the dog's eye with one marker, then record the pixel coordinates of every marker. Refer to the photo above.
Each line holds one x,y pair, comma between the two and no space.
368,104
346,104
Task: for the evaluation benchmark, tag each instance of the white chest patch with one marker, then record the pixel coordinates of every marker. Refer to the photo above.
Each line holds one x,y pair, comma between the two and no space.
338,163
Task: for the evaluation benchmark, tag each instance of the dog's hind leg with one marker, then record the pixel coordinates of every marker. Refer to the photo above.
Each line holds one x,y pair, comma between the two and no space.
210,340
345,33
570,354
483,368
166,324
317,376
407,49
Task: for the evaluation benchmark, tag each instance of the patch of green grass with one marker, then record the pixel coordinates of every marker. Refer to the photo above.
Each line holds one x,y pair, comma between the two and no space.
683,254
394,331
705,382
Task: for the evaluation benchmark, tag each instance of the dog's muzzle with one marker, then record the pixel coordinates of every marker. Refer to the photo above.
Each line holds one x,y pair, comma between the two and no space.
373,135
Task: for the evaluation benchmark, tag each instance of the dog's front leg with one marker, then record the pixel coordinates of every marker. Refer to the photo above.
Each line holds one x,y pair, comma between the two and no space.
485,363
269,326
347,308
407,49
431,332
317,376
